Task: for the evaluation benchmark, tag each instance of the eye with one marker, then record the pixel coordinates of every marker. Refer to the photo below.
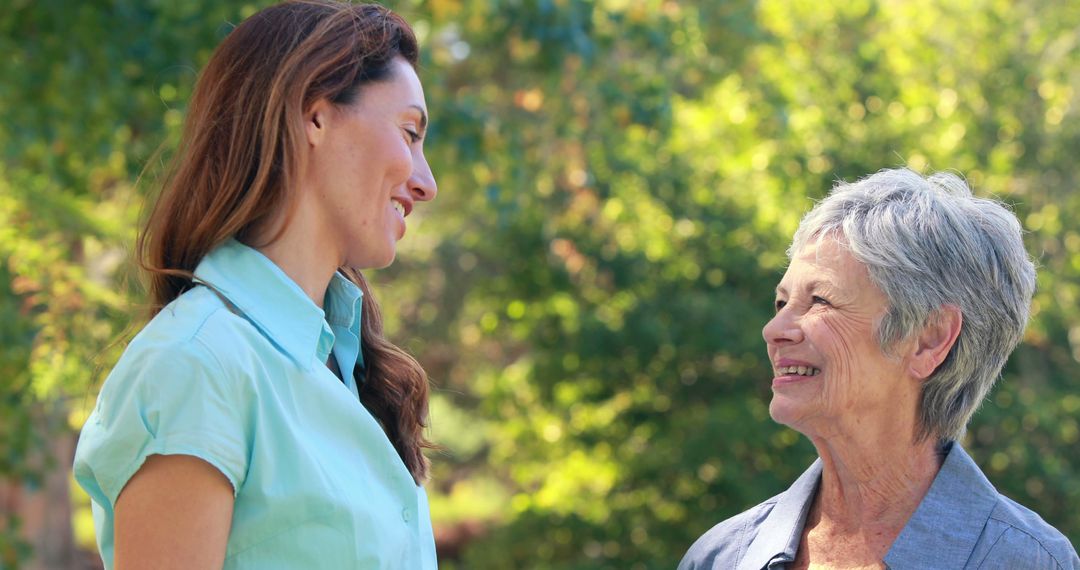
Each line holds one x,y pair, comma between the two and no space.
779,304
413,136
817,300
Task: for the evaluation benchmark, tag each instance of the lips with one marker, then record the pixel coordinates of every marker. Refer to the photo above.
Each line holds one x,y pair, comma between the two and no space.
799,370
404,206
789,371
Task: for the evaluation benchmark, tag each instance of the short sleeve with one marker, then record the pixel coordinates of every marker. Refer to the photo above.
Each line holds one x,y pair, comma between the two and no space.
171,398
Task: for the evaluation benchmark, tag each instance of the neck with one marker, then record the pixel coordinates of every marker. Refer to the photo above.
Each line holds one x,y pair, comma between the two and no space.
301,266
305,258
302,249
873,477
873,482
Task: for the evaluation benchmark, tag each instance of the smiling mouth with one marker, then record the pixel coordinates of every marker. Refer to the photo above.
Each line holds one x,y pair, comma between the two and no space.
798,371
399,207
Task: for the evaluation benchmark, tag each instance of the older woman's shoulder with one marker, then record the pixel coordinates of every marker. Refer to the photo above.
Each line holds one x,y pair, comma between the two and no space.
1017,537
726,543
760,534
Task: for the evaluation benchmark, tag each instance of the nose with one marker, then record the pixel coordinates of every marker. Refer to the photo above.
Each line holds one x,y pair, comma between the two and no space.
782,329
422,185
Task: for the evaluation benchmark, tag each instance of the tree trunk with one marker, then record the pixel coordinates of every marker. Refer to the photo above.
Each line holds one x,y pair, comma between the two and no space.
44,511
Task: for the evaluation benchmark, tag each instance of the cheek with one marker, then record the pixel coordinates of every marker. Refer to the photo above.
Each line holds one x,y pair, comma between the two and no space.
397,161
844,343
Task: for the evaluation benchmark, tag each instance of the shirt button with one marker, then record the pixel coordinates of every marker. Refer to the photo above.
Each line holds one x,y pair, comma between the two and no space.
405,515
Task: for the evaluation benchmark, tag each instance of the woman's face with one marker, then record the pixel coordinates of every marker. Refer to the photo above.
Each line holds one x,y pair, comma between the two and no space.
367,170
829,374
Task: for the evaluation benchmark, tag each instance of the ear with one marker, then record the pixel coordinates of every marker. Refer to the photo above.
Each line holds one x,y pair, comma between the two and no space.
316,120
935,341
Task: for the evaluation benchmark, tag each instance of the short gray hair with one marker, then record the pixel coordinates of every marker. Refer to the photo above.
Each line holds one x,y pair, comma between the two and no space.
928,242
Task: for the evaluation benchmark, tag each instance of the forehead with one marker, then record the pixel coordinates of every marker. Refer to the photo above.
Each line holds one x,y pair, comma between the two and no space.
827,261
402,89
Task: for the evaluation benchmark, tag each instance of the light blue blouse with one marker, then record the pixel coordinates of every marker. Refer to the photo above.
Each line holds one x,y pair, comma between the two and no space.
245,388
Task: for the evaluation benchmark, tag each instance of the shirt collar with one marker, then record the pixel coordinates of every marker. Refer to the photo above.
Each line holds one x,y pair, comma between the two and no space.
275,304
778,536
951,516
344,303
948,521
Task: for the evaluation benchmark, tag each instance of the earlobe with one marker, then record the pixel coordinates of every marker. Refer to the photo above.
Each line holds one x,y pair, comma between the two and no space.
936,340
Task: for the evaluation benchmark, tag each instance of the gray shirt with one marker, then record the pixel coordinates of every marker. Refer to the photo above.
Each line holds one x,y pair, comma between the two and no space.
963,522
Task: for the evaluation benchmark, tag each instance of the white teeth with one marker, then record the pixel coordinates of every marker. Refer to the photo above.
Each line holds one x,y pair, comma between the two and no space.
399,207
800,370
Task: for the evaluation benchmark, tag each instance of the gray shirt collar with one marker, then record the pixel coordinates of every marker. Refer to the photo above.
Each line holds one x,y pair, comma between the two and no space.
778,537
951,517
948,521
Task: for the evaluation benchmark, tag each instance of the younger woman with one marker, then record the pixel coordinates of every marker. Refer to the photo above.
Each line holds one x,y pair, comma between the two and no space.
261,419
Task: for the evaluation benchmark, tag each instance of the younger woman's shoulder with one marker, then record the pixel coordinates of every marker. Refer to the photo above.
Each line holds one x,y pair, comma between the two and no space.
197,315
180,387
194,343
197,328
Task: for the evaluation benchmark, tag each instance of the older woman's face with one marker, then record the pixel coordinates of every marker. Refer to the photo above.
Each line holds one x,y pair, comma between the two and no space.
828,371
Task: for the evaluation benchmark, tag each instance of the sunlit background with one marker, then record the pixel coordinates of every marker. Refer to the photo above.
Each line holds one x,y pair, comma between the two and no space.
618,182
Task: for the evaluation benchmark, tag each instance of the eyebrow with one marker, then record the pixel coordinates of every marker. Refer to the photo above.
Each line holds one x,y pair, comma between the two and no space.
815,284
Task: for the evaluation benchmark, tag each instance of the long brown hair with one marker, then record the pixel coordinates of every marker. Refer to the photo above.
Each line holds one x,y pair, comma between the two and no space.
238,155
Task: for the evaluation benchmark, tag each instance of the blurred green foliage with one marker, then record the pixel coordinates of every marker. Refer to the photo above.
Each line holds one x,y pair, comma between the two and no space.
619,181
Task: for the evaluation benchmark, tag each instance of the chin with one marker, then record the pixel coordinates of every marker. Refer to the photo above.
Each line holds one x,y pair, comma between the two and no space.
389,254
784,411
384,261
369,261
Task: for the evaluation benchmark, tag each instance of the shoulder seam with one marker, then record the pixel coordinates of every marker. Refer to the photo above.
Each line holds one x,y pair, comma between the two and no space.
196,333
1011,526
210,351
206,318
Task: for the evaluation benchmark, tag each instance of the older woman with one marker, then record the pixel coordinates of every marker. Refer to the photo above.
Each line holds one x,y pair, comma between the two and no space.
902,301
